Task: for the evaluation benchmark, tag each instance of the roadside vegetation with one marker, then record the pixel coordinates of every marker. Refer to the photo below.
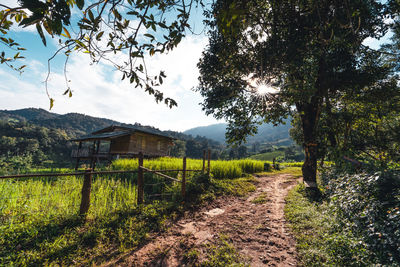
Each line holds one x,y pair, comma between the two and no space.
355,221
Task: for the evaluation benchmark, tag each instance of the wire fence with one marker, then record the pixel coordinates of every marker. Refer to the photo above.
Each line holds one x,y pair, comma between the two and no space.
90,194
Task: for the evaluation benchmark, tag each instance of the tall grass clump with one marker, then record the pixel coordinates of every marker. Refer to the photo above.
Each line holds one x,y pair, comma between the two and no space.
226,169
250,166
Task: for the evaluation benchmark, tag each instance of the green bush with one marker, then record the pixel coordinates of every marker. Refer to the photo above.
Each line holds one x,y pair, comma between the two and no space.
267,166
368,205
320,240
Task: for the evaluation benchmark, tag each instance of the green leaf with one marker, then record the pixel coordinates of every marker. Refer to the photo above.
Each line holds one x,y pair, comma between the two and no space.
51,103
67,33
47,28
35,18
117,15
80,44
91,16
149,35
80,4
98,37
40,31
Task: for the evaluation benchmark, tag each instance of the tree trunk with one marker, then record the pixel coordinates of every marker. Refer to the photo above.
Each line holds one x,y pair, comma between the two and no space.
310,113
310,165
309,117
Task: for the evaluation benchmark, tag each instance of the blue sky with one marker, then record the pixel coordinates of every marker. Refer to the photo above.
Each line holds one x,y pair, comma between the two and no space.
98,89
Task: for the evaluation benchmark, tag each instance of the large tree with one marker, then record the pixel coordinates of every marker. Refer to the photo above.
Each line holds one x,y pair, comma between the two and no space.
361,124
268,59
121,32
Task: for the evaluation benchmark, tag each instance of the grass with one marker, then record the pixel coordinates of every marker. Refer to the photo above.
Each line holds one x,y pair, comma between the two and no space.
222,254
39,223
261,199
237,187
319,241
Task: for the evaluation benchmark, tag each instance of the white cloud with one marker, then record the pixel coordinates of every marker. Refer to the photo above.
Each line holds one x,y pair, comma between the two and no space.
16,28
99,91
10,3
375,43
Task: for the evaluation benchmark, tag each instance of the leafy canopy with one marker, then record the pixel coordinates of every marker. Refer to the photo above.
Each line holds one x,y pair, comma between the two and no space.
268,59
121,32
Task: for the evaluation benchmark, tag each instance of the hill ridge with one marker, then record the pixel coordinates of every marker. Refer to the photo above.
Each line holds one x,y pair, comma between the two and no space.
267,133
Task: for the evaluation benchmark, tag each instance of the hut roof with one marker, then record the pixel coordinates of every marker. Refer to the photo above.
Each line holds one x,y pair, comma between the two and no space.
113,131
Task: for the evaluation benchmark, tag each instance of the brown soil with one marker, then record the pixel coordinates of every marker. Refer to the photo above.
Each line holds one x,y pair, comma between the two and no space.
255,225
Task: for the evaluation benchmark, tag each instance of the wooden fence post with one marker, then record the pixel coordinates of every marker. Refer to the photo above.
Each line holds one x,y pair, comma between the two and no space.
85,201
204,161
140,181
208,163
184,178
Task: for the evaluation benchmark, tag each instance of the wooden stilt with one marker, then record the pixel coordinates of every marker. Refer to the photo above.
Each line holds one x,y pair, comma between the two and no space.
78,158
208,163
183,188
140,182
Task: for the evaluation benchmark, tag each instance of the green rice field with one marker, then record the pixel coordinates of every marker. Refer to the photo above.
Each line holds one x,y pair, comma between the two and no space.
43,198
220,169
39,222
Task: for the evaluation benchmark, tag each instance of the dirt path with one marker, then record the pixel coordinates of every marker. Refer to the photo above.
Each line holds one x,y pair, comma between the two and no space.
254,225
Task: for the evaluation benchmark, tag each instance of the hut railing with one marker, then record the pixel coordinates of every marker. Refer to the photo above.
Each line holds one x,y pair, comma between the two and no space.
82,153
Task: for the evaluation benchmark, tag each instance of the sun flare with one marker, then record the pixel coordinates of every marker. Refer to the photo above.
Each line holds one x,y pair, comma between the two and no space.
264,89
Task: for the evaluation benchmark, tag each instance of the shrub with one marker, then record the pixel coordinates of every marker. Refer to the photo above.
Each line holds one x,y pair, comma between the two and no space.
320,240
368,205
267,166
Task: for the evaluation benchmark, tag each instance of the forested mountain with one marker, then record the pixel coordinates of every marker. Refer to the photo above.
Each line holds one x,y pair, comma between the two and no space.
267,133
74,124
36,137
